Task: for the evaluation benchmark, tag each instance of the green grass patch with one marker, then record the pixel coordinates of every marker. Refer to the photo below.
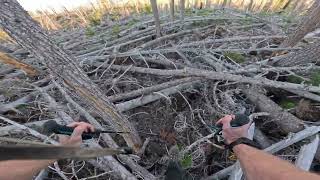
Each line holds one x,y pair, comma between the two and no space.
294,79
95,18
315,78
204,12
188,12
89,31
132,22
115,30
236,57
287,104
22,106
186,161
147,9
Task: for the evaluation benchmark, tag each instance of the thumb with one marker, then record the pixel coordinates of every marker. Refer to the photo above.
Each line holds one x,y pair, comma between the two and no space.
77,132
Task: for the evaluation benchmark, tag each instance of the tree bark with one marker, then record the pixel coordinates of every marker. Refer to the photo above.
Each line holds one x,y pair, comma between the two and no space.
309,54
172,10
22,28
156,17
309,23
286,121
6,59
182,7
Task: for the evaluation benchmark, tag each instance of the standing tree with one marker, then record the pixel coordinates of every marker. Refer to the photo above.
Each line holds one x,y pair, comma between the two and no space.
309,23
172,10
182,7
20,26
155,12
208,3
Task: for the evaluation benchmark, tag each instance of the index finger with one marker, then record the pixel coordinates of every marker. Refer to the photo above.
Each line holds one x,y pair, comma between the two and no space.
226,118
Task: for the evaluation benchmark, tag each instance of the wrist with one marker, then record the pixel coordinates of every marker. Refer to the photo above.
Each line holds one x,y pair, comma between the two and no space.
238,147
243,141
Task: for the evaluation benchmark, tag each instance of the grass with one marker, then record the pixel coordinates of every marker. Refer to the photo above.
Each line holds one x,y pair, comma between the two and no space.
287,104
115,30
89,31
186,161
315,78
236,57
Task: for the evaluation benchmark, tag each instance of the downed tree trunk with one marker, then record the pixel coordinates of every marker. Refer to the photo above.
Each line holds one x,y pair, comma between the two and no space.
309,54
6,59
286,121
18,24
213,75
309,23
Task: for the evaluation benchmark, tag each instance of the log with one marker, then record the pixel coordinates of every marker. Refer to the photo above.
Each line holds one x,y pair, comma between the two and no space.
309,23
109,163
28,69
309,54
19,25
307,153
189,72
286,121
148,90
108,140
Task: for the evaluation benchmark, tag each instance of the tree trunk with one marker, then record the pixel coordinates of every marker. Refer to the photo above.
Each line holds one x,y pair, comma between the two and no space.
309,23
29,70
310,54
22,28
182,7
172,10
156,16
286,121
208,3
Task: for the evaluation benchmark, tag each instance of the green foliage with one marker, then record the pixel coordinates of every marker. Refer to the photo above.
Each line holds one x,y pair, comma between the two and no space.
22,106
204,12
236,57
287,104
188,12
115,30
315,78
186,161
199,23
132,22
89,31
294,79
147,9
115,16
180,147
95,18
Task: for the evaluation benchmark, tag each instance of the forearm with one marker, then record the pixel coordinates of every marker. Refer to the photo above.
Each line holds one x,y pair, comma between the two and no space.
22,169
258,164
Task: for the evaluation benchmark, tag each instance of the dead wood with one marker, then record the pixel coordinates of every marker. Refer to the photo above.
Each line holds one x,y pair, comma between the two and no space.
309,23
286,121
6,59
155,12
29,34
187,72
148,90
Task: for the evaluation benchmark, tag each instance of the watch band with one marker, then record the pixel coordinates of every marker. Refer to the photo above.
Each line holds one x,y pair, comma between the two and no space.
245,141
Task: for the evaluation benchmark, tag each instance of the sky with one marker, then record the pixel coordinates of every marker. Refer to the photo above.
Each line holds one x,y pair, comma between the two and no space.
33,5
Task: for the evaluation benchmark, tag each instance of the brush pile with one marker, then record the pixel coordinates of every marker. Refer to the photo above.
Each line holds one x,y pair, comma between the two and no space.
172,89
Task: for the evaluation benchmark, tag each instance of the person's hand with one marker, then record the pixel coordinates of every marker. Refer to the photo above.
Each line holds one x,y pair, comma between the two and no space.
231,134
76,138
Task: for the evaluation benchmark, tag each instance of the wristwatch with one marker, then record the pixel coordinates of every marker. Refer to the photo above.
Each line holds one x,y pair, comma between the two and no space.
245,141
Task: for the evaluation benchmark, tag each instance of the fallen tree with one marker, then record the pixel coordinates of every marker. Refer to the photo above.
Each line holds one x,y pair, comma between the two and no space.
22,28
